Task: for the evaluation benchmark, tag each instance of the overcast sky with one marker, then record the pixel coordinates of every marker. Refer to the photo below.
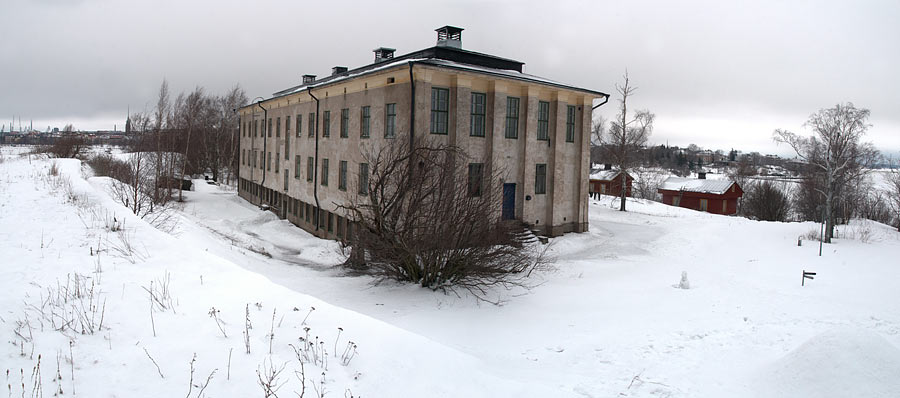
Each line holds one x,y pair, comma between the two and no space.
719,74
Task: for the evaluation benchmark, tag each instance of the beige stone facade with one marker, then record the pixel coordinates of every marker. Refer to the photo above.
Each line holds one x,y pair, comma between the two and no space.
297,168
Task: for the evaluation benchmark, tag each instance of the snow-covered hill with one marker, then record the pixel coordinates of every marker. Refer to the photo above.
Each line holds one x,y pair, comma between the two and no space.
608,321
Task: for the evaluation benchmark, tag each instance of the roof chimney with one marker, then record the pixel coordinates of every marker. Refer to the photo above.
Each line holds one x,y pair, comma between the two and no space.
383,53
701,175
307,79
449,36
338,70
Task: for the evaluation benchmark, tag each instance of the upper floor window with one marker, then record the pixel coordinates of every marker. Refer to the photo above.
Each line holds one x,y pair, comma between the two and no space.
476,121
309,168
364,122
342,175
278,127
543,131
269,128
326,124
299,125
512,117
363,178
312,125
570,123
440,107
390,120
324,172
345,122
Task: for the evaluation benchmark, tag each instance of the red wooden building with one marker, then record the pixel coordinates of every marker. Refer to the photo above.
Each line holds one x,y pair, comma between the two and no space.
609,182
713,196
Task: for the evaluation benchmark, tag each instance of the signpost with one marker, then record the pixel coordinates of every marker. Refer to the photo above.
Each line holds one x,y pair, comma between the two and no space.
807,275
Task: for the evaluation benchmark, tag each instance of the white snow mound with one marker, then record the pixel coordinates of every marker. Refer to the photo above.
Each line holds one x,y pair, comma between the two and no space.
836,363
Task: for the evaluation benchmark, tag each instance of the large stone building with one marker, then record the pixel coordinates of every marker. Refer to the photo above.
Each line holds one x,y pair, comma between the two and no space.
302,150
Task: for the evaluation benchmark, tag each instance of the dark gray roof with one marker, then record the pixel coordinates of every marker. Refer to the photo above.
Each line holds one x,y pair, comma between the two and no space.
442,56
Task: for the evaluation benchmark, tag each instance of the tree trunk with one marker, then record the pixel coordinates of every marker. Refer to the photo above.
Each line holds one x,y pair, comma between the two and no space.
622,188
829,216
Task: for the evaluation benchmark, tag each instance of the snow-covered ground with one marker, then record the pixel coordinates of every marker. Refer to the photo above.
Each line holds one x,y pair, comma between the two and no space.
606,322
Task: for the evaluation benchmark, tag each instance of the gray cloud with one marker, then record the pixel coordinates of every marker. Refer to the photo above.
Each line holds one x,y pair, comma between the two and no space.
719,74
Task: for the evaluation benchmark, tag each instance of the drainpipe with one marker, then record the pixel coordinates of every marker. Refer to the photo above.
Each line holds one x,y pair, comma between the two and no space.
605,100
412,105
265,141
316,165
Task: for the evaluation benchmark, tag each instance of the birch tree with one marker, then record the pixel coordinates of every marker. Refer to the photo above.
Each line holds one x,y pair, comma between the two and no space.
627,135
833,152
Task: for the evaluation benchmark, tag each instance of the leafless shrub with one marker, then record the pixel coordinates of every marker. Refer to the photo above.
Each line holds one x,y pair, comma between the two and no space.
428,216
646,184
70,146
54,170
267,376
765,201
77,306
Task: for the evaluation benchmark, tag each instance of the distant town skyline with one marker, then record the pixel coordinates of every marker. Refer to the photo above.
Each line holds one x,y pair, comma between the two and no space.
718,75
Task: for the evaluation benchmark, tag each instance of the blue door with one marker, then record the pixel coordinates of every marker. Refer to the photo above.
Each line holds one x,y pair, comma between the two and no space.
509,202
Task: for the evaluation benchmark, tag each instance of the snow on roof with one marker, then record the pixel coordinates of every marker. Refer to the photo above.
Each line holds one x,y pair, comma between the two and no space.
604,175
695,185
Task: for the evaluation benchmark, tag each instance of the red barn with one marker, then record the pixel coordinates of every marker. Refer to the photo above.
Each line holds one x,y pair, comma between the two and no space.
609,182
713,196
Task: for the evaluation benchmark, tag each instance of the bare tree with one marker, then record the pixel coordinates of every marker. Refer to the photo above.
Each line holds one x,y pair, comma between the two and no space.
425,214
894,192
834,152
626,137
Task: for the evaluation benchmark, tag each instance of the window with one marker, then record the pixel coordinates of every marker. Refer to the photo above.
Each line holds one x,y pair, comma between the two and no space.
676,200
476,121
363,178
324,172
268,161
342,176
330,222
277,161
512,117
287,138
340,226
540,179
269,128
262,160
703,204
364,123
543,132
297,167
302,207
285,180
243,156
254,158
309,168
326,124
570,123
345,122
277,127
299,125
312,125
390,120
476,176
255,122
440,106
308,210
